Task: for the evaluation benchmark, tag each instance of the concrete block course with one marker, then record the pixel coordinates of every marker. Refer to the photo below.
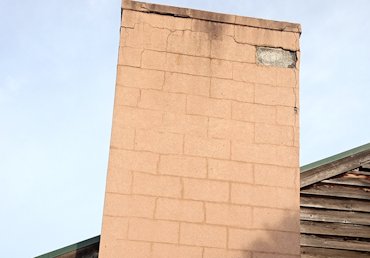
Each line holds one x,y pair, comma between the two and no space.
189,43
204,150
206,190
232,90
179,251
274,134
229,215
118,205
123,138
208,107
130,56
133,77
193,125
275,219
162,101
284,242
214,29
203,235
249,112
267,255
264,196
127,96
144,36
192,65
264,175
133,161
120,181
121,248
159,142
153,230
221,69
231,129
180,210
207,147
272,95
153,60
187,166
230,171
119,226
187,84
227,48
262,37
216,253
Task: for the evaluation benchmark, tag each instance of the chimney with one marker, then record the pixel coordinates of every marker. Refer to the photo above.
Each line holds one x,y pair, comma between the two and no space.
204,154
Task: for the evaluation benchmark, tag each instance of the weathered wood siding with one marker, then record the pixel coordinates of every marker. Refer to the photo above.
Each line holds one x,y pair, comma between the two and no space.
335,216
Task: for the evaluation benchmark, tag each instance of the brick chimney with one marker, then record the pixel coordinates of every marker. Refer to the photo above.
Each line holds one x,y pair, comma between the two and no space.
204,154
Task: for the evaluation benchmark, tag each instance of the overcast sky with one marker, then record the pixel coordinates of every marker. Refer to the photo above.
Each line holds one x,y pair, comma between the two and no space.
57,74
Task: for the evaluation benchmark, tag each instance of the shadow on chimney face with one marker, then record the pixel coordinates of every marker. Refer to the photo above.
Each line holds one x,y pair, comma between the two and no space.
274,240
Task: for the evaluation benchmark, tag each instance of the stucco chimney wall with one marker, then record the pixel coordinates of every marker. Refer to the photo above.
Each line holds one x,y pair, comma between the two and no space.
204,156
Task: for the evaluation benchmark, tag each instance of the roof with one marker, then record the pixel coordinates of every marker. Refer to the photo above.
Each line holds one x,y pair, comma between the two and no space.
71,248
334,165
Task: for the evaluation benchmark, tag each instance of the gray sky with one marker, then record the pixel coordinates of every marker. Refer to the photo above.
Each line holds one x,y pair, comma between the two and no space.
57,75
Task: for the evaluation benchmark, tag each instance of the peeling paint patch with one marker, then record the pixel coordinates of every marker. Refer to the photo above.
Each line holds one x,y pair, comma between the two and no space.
276,57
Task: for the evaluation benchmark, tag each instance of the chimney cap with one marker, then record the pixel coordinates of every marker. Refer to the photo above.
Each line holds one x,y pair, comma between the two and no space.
210,16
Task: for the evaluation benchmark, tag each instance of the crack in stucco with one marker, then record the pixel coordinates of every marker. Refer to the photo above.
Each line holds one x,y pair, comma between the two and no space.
296,109
188,16
233,37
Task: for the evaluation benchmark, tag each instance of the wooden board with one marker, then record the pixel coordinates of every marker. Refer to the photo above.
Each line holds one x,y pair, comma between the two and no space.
354,178
338,191
366,166
345,181
334,243
315,252
335,229
351,217
361,171
324,202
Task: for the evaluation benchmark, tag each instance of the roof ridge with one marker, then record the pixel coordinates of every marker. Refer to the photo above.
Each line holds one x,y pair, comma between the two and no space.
335,157
71,248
